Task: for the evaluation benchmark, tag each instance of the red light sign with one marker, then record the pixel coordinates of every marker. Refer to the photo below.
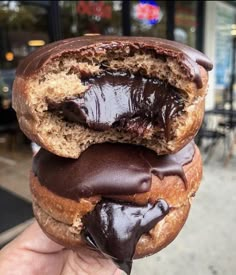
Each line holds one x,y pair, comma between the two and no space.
148,11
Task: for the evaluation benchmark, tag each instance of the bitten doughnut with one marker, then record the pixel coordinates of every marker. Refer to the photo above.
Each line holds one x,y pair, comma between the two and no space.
77,92
122,199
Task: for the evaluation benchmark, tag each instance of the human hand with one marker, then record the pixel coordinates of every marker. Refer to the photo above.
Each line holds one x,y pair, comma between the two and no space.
33,253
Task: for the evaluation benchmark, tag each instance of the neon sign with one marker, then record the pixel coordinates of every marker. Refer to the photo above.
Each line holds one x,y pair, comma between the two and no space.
149,12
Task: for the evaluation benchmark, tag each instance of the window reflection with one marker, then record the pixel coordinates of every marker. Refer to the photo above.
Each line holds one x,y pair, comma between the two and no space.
186,22
19,24
82,17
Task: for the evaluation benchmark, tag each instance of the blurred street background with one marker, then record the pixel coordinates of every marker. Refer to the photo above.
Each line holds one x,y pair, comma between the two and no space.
206,245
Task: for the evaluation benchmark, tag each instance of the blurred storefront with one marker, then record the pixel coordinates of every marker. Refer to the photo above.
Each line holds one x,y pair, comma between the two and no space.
206,25
25,25
176,20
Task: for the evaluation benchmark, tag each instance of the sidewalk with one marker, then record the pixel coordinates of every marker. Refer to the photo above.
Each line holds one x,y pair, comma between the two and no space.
207,243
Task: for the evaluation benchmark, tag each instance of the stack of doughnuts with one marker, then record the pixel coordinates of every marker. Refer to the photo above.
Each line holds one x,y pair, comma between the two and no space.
116,118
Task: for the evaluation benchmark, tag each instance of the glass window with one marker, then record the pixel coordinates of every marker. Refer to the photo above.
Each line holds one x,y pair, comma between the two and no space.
225,31
22,29
148,18
186,22
83,17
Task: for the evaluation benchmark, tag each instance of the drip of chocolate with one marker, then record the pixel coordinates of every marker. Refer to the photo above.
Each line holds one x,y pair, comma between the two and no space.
115,228
123,101
108,169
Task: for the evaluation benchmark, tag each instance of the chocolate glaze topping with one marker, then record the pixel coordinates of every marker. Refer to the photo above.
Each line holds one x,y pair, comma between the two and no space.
188,57
108,169
124,101
115,228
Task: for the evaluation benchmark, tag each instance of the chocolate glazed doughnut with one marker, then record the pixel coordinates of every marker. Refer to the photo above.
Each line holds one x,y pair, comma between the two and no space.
82,91
116,117
132,203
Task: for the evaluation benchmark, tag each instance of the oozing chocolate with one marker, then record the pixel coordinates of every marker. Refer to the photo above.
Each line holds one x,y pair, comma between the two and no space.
124,101
115,228
108,169
186,56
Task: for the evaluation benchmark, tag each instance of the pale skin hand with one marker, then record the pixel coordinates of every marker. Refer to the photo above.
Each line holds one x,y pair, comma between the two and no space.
33,253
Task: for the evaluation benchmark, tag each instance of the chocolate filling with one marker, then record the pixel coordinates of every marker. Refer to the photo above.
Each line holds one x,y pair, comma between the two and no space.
108,169
123,101
115,228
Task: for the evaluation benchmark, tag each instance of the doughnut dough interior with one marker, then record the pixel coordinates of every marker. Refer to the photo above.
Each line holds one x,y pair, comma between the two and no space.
54,74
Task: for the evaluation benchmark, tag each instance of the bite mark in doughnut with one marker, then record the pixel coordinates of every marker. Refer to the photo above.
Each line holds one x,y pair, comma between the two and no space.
82,91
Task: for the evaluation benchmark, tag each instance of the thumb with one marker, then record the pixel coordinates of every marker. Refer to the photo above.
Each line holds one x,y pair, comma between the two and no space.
34,239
